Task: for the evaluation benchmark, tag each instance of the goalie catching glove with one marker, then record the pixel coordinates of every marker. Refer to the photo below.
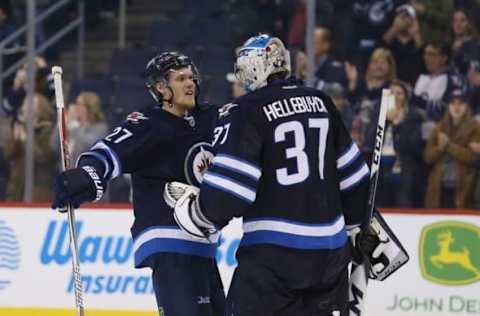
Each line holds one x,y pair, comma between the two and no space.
183,198
379,245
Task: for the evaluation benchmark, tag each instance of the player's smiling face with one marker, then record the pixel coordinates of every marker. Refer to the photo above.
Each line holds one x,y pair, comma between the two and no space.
183,86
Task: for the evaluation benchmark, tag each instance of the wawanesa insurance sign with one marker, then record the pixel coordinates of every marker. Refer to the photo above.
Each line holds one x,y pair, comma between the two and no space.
442,277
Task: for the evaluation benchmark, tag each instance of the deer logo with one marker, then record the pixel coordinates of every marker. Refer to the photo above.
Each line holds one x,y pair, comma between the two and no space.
449,252
447,256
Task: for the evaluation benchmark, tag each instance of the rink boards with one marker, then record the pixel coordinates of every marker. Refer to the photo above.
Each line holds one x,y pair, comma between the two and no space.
442,277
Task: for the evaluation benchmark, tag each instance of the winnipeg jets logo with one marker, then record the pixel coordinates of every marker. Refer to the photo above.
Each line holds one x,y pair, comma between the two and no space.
136,117
225,110
197,161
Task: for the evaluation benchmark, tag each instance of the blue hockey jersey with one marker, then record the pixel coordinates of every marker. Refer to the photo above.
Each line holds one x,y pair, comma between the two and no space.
286,164
156,147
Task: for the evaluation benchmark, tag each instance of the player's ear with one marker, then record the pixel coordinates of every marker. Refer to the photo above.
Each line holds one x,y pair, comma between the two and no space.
163,89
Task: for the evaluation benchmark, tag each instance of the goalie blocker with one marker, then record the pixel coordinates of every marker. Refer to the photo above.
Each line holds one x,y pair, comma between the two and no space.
378,244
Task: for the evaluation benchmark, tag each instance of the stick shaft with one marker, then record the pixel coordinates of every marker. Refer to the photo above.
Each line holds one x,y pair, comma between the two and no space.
359,273
62,132
385,103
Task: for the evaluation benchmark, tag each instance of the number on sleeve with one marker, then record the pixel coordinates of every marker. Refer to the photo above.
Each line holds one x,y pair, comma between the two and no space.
217,132
118,135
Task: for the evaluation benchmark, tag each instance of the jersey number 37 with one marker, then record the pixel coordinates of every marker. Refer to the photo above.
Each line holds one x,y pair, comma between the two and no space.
297,151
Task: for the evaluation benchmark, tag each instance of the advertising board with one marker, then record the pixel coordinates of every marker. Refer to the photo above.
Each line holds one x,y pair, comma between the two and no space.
442,277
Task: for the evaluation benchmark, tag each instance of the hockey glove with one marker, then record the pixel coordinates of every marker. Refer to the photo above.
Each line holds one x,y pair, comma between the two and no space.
183,198
77,186
379,245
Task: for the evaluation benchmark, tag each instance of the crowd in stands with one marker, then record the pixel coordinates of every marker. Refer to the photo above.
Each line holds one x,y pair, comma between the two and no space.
426,51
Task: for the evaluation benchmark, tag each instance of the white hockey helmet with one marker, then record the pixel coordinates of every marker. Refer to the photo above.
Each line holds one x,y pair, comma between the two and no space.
259,58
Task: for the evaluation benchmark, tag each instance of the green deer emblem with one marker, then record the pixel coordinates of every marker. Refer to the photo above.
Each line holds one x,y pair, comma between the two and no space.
446,256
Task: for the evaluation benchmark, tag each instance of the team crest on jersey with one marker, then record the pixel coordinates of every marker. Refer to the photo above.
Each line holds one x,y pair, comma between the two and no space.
197,161
225,110
136,117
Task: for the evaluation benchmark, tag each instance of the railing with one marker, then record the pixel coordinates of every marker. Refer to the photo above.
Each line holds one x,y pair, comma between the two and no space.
78,23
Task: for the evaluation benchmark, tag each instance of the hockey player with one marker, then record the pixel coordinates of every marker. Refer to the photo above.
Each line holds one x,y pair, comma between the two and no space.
286,164
166,142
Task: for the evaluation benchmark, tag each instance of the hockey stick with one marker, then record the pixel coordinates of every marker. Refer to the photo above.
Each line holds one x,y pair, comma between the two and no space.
359,273
62,132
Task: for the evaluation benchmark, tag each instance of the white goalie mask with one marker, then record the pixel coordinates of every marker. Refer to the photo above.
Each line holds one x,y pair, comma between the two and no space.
260,57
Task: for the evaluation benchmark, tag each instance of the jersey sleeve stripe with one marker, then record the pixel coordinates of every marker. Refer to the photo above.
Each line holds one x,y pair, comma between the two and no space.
348,157
117,164
238,165
100,157
354,179
230,186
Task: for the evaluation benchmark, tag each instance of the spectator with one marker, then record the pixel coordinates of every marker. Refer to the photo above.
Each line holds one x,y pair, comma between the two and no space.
432,87
465,44
86,124
466,53
366,98
371,19
402,159
328,71
452,177
472,7
17,92
403,38
44,158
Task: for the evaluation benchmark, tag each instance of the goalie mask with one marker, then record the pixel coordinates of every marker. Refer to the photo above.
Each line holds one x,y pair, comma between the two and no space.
259,58
159,68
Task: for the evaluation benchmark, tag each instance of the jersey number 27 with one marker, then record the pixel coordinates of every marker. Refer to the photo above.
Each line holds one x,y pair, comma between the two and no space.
297,152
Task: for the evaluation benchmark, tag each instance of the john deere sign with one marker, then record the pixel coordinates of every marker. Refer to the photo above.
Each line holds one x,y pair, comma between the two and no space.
450,253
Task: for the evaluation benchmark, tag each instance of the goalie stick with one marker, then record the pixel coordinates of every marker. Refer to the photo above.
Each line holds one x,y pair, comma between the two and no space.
359,273
62,132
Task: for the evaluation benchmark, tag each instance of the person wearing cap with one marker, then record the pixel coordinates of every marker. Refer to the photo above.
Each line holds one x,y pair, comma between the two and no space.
452,176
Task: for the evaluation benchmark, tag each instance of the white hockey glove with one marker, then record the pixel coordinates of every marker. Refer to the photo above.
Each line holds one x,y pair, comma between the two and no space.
183,198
